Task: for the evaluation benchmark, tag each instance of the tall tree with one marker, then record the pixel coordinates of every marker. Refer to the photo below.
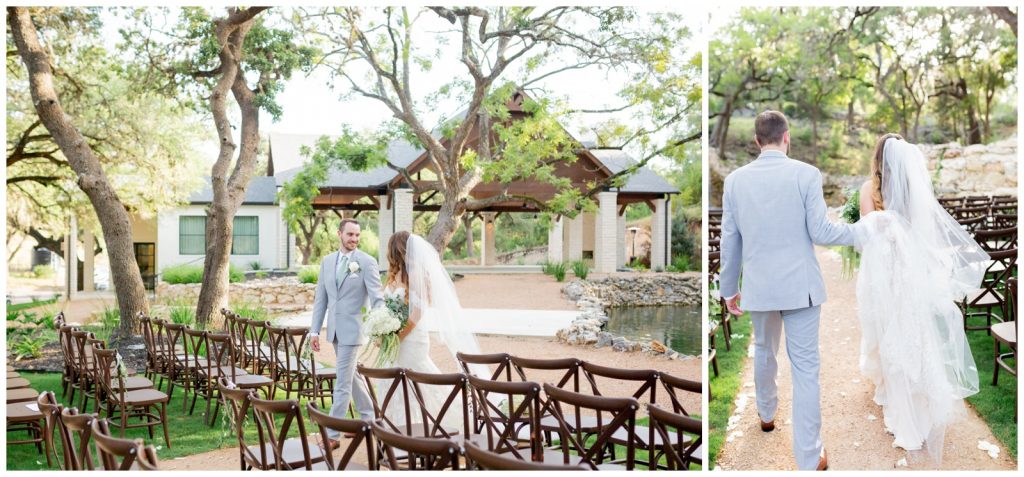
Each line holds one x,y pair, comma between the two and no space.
110,211
503,51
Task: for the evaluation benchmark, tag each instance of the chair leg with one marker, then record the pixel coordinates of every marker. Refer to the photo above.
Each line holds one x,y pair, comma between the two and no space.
163,420
995,372
124,419
149,422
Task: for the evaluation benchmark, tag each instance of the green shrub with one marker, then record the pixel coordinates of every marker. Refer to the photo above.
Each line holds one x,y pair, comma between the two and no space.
110,318
580,269
28,347
545,267
255,265
261,274
680,264
309,274
181,311
250,310
558,271
42,271
187,273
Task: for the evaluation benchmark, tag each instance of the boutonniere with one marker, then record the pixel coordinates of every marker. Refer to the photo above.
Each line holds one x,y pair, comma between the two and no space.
353,267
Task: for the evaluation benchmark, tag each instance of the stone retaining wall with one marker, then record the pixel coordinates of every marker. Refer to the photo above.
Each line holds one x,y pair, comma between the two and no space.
279,293
594,296
981,169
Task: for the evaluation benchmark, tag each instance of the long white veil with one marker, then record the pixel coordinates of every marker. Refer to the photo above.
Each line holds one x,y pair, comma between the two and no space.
432,291
917,262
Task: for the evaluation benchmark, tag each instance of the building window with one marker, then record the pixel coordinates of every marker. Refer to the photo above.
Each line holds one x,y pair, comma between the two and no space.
246,237
192,235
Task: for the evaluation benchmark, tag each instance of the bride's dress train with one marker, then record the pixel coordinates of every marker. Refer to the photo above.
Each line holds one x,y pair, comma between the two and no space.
916,263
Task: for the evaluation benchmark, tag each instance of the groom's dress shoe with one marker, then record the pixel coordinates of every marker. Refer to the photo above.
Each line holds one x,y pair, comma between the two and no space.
331,444
768,426
823,460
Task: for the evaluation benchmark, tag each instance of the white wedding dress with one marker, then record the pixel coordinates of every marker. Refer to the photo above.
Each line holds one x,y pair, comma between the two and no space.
916,262
432,294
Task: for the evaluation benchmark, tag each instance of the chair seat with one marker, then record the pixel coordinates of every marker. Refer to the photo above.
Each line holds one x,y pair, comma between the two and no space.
15,383
587,423
141,397
556,457
223,371
133,383
20,412
292,451
21,395
641,436
253,381
989,299
1005,332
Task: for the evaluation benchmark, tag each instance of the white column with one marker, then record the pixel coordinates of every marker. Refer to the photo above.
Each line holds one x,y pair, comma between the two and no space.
71,259
385,227
488,250
605,238
658,229
668,230
576,238
89,267
403,210
620,241
555,240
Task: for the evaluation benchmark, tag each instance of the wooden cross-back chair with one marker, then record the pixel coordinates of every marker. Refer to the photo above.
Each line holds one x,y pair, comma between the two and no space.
421,453
615,416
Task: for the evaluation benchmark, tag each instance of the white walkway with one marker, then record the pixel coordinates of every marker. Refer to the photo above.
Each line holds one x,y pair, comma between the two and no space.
492,322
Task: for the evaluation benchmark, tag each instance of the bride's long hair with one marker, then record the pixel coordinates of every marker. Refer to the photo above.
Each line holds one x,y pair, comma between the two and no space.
397,271
876,170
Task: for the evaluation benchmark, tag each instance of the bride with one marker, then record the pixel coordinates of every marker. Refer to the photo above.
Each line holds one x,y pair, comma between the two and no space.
416,276
916,263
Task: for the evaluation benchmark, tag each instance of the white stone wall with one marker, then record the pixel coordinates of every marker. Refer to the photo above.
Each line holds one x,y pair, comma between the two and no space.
278,293
981,169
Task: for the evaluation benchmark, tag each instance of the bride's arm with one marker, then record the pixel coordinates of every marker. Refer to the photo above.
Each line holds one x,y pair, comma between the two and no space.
414,318
867,205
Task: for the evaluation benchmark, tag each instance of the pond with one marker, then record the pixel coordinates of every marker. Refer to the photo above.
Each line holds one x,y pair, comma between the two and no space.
678,327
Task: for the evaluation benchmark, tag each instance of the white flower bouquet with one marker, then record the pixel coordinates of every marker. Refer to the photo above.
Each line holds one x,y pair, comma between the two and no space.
382,325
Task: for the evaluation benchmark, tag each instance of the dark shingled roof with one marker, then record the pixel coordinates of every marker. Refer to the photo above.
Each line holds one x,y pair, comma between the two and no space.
644,180
262,190
286,149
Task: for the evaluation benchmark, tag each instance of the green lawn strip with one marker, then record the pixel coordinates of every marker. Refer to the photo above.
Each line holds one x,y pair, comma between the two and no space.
995,404
31,304
726,385
189,434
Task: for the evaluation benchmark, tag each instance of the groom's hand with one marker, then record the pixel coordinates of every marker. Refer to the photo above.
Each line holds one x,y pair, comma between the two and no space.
733,305
314,343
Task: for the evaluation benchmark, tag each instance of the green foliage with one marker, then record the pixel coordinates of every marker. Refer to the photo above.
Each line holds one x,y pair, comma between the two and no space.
580,269
186,273
250,310
310,274
110,319
850,213
181,311
844,76
558,271
31,304
43,271
27,347
255,265
261,275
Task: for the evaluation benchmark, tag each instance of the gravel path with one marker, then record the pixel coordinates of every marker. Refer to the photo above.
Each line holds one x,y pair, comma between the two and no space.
854,440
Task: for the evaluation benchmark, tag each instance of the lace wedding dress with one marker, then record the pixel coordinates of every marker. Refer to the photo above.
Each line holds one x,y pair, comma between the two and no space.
916,263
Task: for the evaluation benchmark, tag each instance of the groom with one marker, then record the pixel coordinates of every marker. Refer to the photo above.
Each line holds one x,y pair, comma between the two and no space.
773,212
349,278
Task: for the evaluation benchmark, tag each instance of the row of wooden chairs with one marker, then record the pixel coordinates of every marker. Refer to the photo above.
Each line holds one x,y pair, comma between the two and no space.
95,442
97,373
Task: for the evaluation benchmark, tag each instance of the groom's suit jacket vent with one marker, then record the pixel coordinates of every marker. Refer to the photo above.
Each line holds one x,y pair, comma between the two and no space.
773,213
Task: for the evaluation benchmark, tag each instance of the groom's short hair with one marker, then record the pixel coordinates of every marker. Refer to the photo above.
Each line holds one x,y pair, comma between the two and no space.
341,226
769,127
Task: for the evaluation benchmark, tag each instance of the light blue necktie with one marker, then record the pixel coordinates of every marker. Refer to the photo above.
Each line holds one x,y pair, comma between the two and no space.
341,270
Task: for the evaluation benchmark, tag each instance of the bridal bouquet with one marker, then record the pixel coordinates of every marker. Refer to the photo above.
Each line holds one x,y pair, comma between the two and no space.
382,325
850,213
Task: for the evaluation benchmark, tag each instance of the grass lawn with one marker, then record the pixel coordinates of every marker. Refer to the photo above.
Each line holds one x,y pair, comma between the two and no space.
725,387
189,434
995,404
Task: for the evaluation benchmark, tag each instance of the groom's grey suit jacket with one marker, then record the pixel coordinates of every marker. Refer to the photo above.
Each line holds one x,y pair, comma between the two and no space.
773,212
342,304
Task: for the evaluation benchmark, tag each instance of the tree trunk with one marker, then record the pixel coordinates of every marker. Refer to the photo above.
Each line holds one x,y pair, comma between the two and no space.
814,136
112,215
721,132
228,190
448,218
849,116
974,131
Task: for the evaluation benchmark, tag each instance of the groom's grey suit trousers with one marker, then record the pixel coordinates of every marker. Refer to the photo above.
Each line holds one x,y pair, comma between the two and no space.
339,301
773,213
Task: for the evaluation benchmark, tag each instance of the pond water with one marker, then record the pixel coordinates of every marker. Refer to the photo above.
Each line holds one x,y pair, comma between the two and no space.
678,327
